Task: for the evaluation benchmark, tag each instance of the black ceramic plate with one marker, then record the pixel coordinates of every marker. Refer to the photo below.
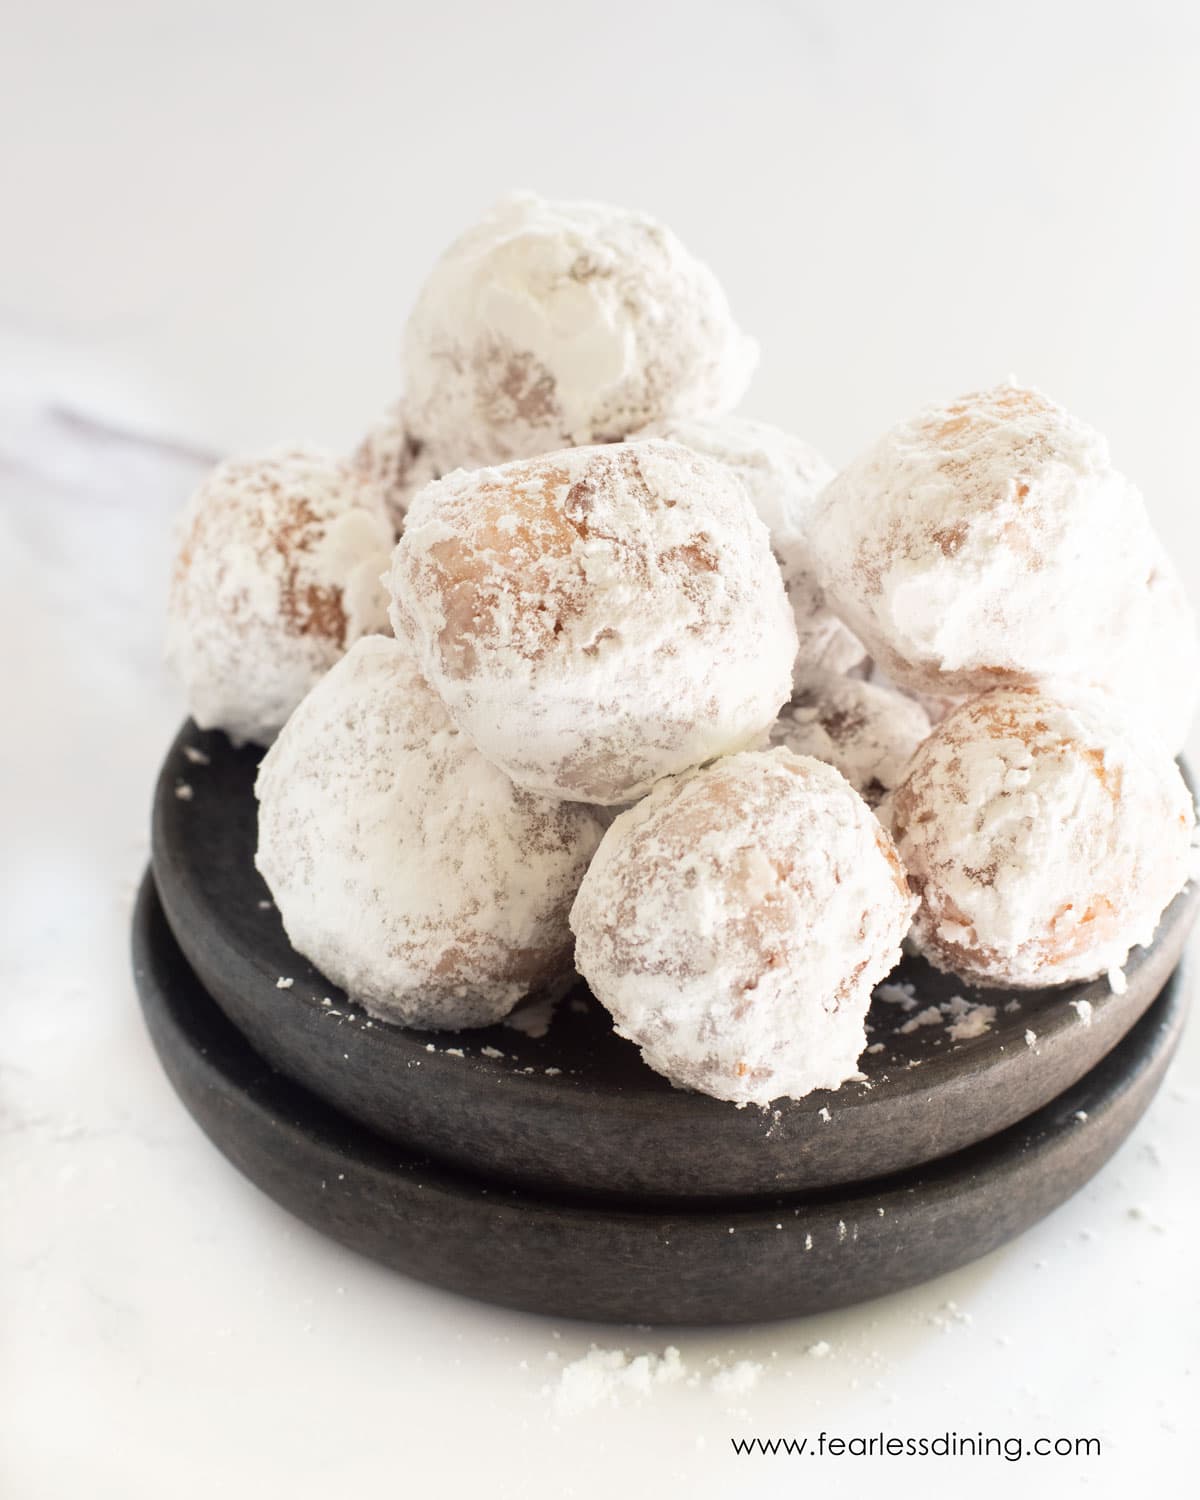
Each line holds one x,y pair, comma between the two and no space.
577,1110
573,1257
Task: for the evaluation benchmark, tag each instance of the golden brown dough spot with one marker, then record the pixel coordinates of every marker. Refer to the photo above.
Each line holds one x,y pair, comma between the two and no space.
970,415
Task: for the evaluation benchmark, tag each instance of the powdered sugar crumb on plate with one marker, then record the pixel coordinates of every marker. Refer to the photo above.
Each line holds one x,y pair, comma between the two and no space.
899,993
930,1016
976,1020
532,1020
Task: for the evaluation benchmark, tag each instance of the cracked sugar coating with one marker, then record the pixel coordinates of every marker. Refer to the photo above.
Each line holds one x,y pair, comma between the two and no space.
1042,841
735,921
598,618
408,869
549,325
867,732
277,573
783,476
988,540
390,458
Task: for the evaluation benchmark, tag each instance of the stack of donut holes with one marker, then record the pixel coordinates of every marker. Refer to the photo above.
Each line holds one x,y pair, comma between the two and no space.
570,667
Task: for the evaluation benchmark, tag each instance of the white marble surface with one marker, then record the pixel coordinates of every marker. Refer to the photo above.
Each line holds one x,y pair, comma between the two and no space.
214,217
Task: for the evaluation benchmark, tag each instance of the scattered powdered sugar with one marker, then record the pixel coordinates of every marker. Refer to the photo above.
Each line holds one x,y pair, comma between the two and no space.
964,1019
930,1016
283,983
1083,1009
184,792
490,1052
737,1379
820,1349
977,1021
533,1018
949,1315
900,993
609,1377
197,756
1117,982
603,1376
1030,1038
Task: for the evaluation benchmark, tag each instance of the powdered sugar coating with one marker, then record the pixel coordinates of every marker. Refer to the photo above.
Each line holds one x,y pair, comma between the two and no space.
783,476
598,618
1042,840
987,540
390,458
934,706
554,324
1152,662
735,921
277,573
866,732
408,869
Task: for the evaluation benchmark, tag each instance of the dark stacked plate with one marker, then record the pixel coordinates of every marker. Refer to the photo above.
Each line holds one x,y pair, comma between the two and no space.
544,1166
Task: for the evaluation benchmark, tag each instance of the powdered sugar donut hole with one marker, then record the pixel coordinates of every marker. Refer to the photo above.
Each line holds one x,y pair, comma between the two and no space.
277,572
735,921
783,476
985,540
598,618
554,324
391,459
1043,842
408,869
866,732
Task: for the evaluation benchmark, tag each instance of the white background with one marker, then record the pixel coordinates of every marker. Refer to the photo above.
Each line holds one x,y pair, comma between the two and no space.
213,218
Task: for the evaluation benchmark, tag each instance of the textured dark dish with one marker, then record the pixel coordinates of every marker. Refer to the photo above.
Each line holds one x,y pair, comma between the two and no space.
604,1123
575,1257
